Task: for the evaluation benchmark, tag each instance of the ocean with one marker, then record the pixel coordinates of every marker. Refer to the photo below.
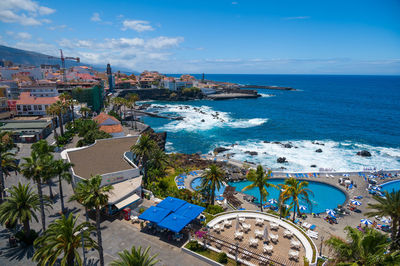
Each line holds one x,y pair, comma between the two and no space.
338,114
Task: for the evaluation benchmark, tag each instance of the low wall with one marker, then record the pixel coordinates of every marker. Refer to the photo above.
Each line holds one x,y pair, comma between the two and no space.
201,257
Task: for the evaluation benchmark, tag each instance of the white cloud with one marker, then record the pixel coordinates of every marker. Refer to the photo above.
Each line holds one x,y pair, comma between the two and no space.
137,25
24,12
95,17
59,27
163,42
23,36
40,47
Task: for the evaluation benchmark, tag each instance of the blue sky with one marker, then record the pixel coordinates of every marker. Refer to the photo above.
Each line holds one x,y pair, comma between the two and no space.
271,37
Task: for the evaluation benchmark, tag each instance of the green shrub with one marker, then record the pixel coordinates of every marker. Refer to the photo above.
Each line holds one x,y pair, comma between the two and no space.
141,210
222,257
194,245
21,236
214,209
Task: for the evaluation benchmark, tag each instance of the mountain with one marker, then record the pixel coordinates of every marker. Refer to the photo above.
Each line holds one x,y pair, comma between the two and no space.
23,57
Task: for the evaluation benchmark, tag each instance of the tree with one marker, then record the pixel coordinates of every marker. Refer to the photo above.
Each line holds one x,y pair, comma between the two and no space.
143,150
132,98
21,206
69,102
96,197
8,163
42,148
158,160
136,257
84,111
53,111
295,190
6,144
214,177
63,238
118,102
389,205
37,167
260,181
362,248
61,169
58,108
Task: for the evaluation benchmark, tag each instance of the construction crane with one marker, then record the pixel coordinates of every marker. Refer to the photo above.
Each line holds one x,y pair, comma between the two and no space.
63,70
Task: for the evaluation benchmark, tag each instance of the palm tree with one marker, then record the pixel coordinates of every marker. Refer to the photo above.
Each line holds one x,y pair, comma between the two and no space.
21,206
42,148
37,167
79,196
213,177
389,205
58,108
53,111
96,197
69,102
136,257
6,144
143,150
158,159
295,190
84,111
61,169
119,102
260,181
362,248
8,163
132,98
63,238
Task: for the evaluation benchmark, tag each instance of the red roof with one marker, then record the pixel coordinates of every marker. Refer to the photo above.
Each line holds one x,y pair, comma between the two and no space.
103,117
27,98
112,128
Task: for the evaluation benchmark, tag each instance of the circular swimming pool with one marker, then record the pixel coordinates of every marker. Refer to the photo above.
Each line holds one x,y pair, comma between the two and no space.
325,195
392,185
196,184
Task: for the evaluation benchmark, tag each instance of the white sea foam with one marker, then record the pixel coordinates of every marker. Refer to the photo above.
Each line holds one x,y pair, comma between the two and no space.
265,95
339,156
202,118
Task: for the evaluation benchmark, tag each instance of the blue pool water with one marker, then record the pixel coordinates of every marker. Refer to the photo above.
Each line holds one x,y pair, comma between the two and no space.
325,196
196,183
390,186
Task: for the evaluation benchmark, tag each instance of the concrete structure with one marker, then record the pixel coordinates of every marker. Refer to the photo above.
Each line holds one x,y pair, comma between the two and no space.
27,131
92,96
109,124
174,84
7,73
41,88
111,159
4,109
11,87
28,105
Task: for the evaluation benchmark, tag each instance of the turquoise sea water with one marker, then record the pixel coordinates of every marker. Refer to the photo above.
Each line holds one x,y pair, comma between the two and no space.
345,114
325,196
390,186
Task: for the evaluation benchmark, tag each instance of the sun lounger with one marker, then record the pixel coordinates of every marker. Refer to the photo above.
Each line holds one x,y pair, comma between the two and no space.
306,225
294,255
287,234
134,219
268,249
259,221
238,235
246,227
312,227
274,238
259,233
227,223
242,219
312,234
217,228
295,244
253,242
274,226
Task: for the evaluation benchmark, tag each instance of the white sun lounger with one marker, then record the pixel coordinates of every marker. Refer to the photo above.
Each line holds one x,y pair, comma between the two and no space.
287,234
259,221
217,228
258,233
274,226
242,219
246,227
238,235
227,223
268,249
274,238
253,242
295,244
293,254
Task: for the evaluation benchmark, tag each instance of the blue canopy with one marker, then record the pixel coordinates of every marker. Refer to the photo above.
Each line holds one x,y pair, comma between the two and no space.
154,214
190,210
171,203
174,222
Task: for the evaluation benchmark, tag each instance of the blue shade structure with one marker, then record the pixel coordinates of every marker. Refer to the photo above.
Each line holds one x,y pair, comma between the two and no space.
154,214
190,211
174,222
171,203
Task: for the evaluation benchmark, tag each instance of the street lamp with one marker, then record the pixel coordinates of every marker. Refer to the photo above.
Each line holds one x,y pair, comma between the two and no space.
83,243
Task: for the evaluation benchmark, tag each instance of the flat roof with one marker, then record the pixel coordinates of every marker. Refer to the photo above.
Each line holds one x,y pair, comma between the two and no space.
105,156
24,125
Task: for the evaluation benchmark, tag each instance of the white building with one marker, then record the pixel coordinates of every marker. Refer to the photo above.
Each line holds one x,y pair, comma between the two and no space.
28,105
41,88
7,73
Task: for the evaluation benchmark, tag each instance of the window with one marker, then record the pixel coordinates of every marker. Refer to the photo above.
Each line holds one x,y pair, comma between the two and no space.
19,107
35,107
40,107
29,107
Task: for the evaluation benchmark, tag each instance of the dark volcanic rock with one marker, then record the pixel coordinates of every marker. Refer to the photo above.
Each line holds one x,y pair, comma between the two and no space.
281,160
266,141
220,149
287,145
252,153
319,150
364,153
202,120
313,165
276,142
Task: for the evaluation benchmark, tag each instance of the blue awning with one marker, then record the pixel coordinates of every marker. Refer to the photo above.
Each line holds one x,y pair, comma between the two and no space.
174,222
171,203
190,210
154,214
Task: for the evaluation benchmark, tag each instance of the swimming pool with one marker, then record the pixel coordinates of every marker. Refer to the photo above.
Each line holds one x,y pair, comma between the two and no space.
325,196
196,183
392,185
